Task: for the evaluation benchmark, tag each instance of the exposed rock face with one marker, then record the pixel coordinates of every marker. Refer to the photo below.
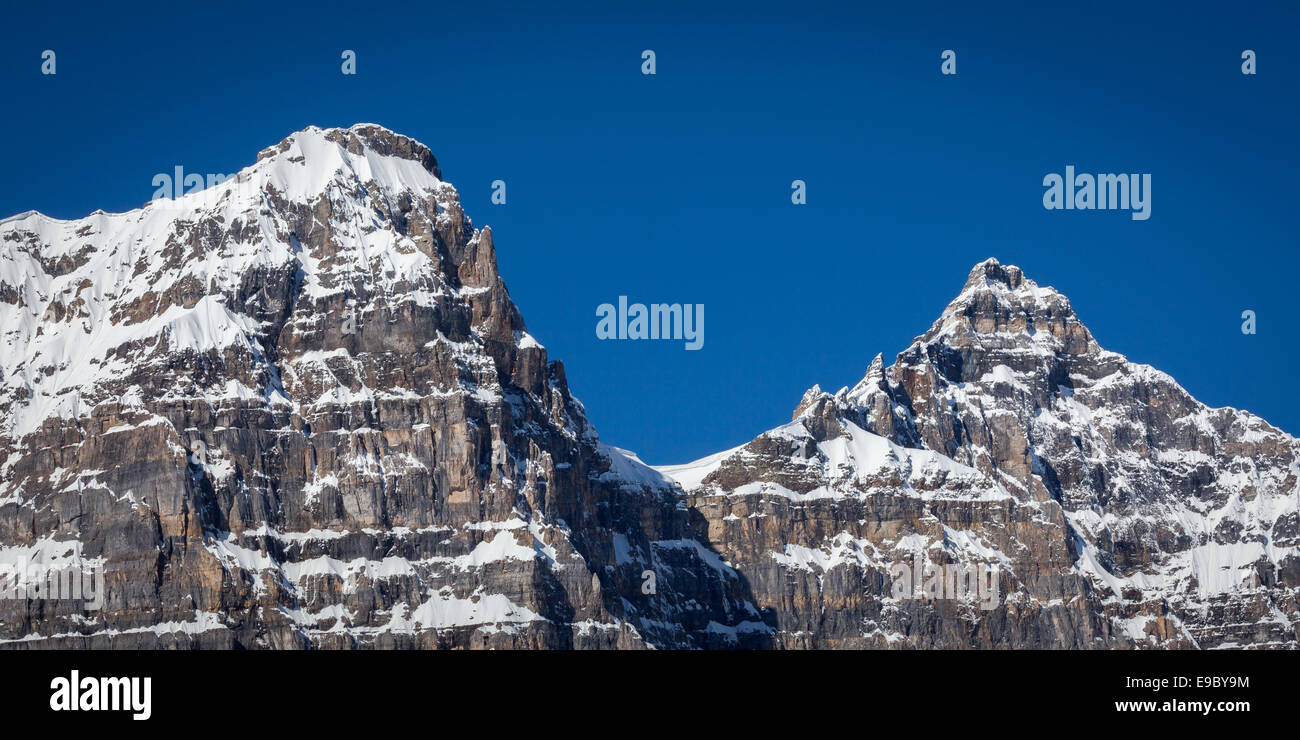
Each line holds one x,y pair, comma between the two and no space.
1116,509
299,409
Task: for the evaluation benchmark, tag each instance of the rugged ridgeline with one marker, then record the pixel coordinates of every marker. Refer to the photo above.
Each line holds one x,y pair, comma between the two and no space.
1117,509
298,409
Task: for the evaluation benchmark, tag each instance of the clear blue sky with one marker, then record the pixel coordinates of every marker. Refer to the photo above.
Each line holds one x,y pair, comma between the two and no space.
676,187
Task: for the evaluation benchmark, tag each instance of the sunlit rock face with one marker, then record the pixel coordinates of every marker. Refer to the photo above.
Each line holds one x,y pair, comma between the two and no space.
1115,509
299,409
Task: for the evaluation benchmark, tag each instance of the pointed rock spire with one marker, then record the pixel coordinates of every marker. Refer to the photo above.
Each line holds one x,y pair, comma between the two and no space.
810,397
990,271
999,307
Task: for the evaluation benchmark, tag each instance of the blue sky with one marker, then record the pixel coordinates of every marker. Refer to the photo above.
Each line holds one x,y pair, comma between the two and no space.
676,187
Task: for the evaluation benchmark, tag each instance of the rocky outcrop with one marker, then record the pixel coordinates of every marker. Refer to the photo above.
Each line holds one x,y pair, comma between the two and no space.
299,409
1116,510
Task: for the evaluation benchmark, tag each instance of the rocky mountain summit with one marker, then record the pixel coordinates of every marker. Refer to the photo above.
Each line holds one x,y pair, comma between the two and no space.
298,409
1117,510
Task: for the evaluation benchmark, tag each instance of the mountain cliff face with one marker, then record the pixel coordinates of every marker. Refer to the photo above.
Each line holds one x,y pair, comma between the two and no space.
299,410
1116,510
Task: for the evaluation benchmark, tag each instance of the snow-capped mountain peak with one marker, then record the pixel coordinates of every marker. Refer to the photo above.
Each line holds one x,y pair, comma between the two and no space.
173,274
298,408
1107,496
1002,311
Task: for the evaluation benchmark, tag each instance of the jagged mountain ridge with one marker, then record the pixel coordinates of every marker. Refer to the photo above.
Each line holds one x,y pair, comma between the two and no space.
1120,511
298,409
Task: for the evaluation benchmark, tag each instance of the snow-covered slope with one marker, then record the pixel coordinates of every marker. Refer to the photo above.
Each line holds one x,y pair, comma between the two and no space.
90,293
1118,509
299,409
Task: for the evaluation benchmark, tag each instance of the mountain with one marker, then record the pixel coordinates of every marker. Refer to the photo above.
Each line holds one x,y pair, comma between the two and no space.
1116,510
298,409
